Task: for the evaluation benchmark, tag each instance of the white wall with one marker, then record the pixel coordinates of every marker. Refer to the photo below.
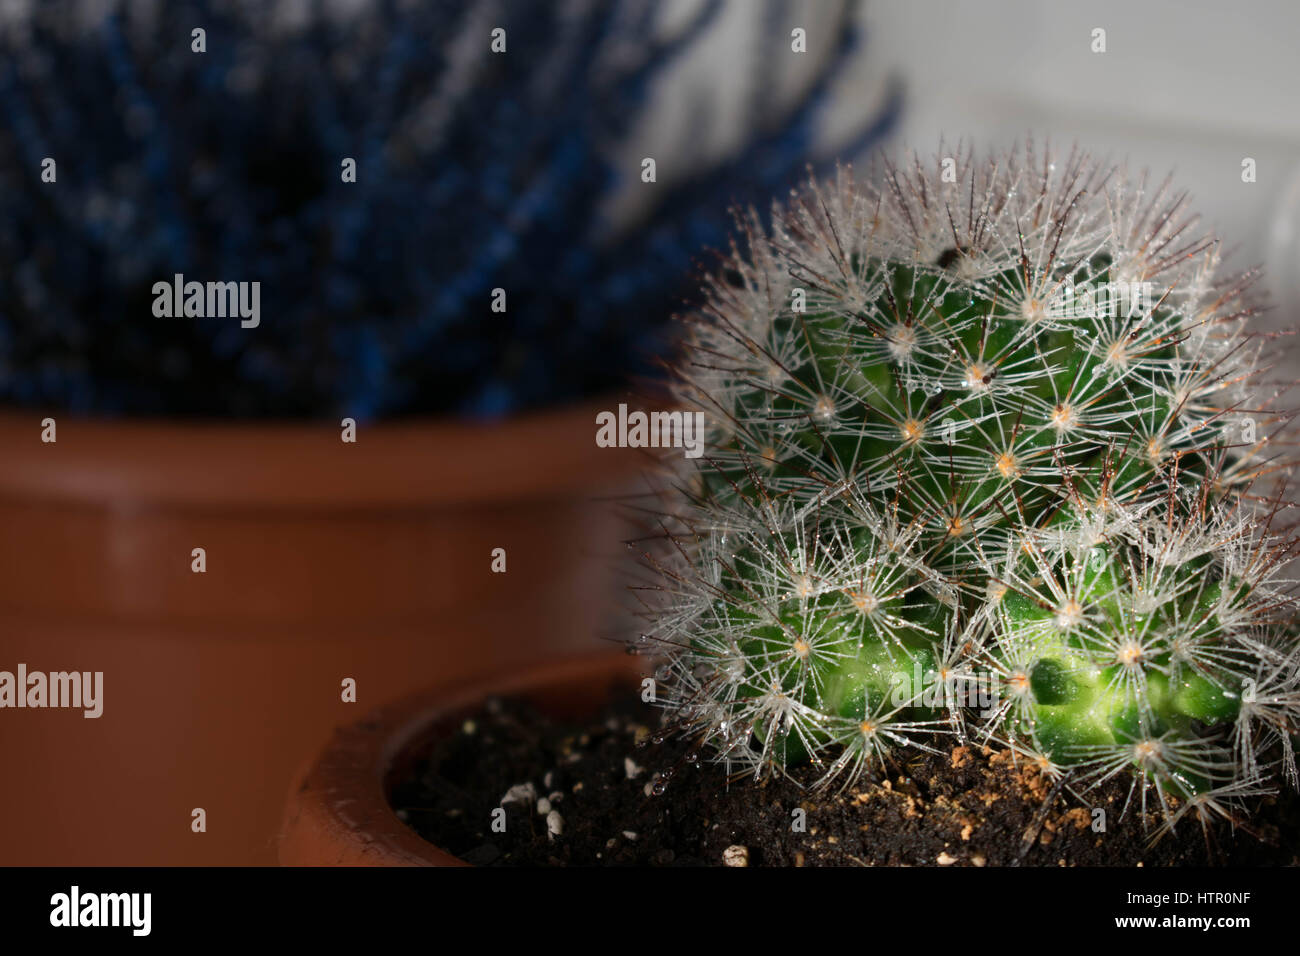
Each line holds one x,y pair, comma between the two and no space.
1190,86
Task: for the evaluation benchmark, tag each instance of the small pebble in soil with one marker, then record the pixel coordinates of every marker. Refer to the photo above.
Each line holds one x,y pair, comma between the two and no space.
735,855
519,793
972,807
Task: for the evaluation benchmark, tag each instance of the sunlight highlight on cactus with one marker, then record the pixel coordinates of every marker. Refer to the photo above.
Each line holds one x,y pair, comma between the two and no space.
994,457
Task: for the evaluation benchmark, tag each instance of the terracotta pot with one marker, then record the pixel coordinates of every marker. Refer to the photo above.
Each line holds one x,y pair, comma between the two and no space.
325,561
338,811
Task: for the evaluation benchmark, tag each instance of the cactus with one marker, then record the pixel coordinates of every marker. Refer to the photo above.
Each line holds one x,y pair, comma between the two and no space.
989,443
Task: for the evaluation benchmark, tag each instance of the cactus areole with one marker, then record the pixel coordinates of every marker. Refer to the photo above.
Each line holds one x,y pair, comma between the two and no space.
990,458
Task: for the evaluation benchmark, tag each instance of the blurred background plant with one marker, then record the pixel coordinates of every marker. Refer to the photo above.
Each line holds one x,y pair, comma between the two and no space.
475,171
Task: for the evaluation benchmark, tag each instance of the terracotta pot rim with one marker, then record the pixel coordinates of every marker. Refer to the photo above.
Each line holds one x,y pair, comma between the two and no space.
340,800
431,463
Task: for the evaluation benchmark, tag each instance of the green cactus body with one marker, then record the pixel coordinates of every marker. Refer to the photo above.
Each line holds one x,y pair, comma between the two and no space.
951,493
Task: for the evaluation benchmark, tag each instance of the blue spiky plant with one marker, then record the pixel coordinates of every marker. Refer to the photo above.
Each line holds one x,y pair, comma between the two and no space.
476,170
993,457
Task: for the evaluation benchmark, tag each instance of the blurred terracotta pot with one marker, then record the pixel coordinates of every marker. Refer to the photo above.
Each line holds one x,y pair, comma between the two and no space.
338,811
324,561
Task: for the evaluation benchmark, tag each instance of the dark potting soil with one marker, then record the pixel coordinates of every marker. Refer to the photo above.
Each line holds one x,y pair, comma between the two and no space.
585,794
